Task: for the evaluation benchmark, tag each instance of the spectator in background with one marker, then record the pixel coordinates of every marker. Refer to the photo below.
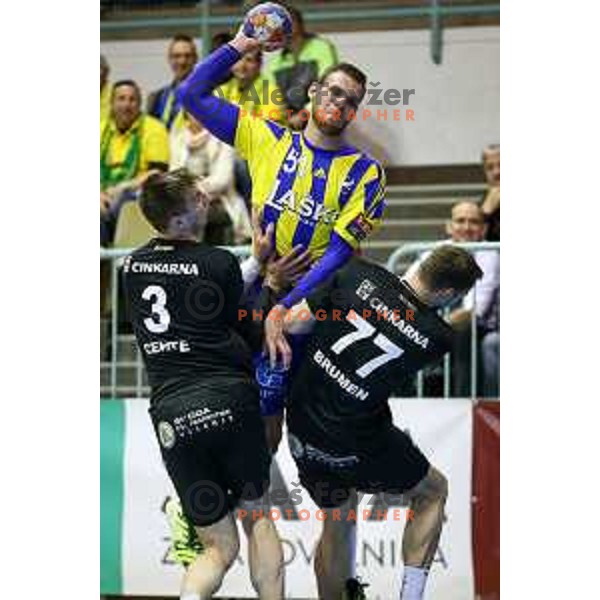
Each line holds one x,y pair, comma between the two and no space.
131,145
491,201
194,147
105,89
303,61
162,104
467,224
246,88
219,39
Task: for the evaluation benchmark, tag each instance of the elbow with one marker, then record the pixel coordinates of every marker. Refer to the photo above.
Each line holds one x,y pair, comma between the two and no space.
191,91
184,93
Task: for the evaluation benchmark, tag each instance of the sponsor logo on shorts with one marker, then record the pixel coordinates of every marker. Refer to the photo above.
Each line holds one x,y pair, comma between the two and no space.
166,435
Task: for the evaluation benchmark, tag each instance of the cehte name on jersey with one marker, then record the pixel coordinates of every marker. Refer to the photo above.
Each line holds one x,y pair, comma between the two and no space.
160,347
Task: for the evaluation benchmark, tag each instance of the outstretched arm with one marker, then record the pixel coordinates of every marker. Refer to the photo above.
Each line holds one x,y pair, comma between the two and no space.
336,256
196,92
361,214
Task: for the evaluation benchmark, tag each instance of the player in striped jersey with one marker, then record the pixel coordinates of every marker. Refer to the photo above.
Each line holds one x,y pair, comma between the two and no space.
320,192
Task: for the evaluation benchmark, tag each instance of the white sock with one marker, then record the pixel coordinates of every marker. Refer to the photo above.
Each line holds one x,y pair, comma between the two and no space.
413,583
190,596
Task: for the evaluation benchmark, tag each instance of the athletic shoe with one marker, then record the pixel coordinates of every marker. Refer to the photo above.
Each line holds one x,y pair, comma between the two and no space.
185,545
355,589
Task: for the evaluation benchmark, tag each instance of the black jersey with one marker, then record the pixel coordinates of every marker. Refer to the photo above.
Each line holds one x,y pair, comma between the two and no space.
371,332
183,299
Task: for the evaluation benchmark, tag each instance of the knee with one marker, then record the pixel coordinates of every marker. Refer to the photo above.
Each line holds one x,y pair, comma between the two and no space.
438,485
233,549
270,572
227,551
490,345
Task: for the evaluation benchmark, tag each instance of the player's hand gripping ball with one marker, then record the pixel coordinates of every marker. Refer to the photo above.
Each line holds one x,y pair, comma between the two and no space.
270,24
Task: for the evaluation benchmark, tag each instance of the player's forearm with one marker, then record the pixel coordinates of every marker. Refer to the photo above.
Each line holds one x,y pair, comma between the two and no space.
337,255
196,93
251,269
300,319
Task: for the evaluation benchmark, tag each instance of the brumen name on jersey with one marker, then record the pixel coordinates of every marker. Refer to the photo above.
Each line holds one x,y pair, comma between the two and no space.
353,364
343,380
384,336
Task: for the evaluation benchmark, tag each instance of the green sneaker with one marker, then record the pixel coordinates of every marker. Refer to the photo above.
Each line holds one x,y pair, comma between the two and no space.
185,545
355,589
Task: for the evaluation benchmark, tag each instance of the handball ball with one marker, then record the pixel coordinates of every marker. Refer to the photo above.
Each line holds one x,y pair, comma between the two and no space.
270,24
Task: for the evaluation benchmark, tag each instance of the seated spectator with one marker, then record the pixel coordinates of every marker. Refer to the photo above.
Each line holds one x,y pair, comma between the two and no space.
193,147
303,61
131,145
247,86
163,104
467,225
220,39
491,200
105,89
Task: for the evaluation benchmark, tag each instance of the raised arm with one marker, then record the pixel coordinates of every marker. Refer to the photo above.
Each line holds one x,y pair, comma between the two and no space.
196,92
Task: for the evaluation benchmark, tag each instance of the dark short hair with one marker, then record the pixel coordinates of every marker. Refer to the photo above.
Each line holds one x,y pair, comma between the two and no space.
165,195
128,83
220,39
182,37
350,70
295,13
449,267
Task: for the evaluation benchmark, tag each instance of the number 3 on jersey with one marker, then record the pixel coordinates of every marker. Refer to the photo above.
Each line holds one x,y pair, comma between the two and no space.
158,297
363,331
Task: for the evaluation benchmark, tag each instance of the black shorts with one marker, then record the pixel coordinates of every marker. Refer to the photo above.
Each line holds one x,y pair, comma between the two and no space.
395,467
212,440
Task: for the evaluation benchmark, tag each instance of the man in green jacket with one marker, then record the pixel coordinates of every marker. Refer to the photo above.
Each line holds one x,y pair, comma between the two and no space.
303,61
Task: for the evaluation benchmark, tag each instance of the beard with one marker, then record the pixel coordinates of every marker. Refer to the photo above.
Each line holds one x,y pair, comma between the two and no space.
331,128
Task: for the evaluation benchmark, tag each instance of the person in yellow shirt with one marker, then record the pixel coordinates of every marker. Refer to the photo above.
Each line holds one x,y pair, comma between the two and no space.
255,95
252,91
320,192
105,89
132,145
305,58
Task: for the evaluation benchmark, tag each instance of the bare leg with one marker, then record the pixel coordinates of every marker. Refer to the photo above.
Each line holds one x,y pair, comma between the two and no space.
221,545
265,555
422,532
335,555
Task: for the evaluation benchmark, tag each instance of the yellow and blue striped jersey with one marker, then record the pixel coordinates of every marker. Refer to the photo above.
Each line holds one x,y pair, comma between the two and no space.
309,192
